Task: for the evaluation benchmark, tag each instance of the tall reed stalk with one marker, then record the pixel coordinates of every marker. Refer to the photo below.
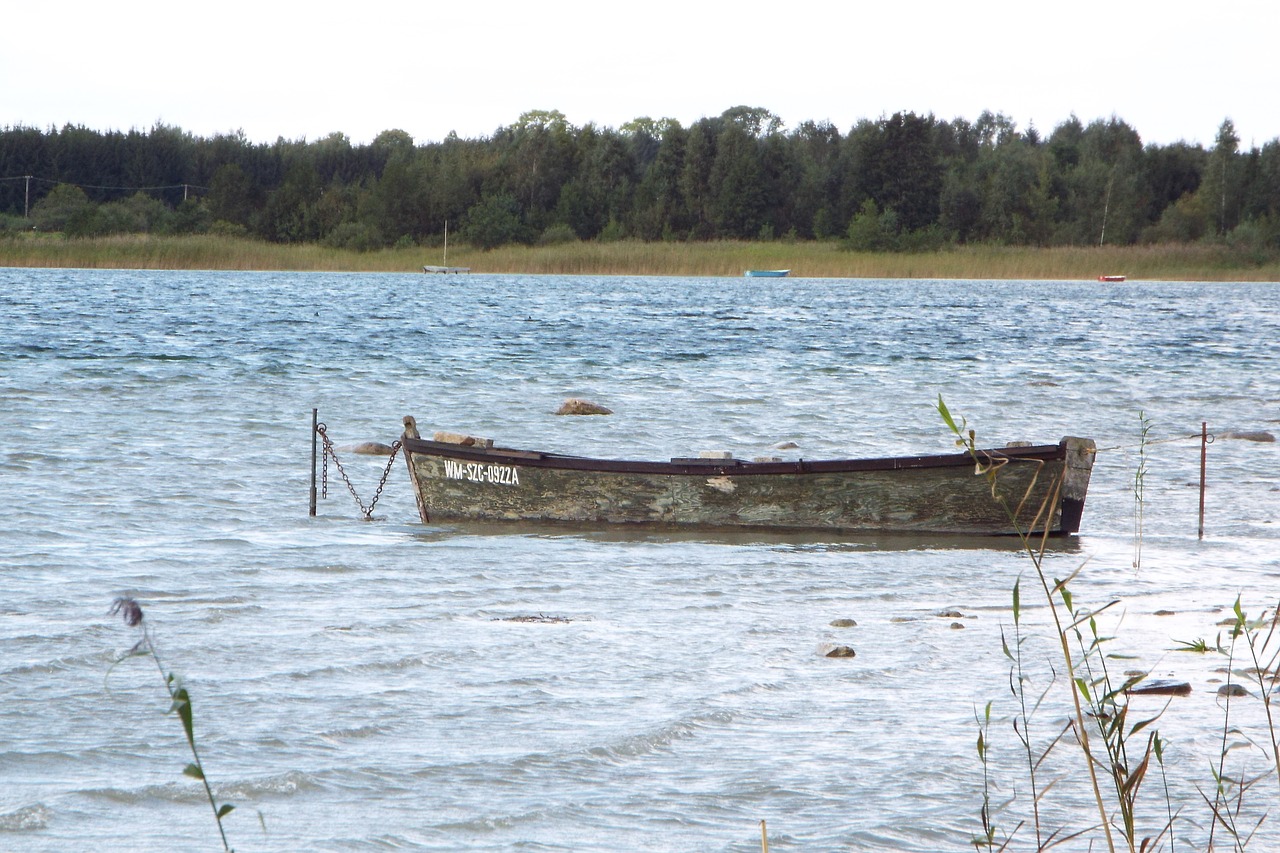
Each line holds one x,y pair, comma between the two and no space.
1092,697
179,703
1119,753
1140,489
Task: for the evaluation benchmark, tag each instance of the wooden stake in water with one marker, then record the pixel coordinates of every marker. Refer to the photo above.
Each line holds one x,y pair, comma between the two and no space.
764,838
315,423
1204,452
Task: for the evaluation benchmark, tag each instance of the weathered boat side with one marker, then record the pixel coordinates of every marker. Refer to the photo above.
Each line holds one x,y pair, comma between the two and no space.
942,493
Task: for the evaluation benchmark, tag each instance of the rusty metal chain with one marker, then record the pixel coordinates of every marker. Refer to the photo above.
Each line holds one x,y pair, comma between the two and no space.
324,464
330,452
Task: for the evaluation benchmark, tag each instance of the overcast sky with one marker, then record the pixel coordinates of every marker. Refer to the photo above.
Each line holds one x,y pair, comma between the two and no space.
1173,70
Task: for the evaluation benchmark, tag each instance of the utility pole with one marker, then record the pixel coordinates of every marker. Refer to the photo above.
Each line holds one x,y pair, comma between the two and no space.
26,202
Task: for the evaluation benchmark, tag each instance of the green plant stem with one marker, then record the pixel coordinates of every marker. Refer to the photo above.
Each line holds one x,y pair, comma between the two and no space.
1081,729
181,703
1037,559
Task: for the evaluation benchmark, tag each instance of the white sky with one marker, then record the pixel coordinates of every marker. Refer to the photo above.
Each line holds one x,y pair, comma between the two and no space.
1173,70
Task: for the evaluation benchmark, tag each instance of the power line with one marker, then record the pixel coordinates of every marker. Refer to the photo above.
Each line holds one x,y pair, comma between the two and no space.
26,204
104,187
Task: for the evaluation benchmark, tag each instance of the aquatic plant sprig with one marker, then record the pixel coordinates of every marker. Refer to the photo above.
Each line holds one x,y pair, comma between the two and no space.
1140,488
1259,637
1054,593
131,613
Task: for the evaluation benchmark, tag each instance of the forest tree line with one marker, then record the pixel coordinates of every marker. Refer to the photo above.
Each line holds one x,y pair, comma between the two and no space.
905,182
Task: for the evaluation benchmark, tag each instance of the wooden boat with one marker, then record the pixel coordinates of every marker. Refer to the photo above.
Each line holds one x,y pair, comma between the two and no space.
767,273
1110,278
457,477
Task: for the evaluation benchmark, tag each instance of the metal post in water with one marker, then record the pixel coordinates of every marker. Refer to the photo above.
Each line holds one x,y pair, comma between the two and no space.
1204,449
315,423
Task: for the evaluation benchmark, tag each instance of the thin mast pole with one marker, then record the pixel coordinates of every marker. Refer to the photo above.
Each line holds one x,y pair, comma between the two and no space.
315,422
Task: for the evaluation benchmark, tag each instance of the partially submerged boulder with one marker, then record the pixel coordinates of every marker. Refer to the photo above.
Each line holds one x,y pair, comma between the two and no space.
578,406
1160,687
1247,435
370,448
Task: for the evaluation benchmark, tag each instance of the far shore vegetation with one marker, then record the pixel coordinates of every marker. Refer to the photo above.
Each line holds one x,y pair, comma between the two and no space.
902,196
805,259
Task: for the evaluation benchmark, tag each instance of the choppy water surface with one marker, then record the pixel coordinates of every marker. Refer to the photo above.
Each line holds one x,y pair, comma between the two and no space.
365,686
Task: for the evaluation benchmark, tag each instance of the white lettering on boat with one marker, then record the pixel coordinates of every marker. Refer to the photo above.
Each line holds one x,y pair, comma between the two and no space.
476,472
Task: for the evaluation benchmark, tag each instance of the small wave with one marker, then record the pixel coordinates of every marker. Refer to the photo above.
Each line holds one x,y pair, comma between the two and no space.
399,665
484,825
65,664
189,791
338,736
273,786
634,746
25,819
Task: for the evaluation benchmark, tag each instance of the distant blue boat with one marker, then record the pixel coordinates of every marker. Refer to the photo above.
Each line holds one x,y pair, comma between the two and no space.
767,273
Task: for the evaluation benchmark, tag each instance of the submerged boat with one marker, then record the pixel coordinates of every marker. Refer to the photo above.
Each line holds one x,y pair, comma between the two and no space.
459,477
767,273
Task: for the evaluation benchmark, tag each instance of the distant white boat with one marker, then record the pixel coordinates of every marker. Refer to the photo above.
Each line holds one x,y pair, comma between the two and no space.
444,267
767,273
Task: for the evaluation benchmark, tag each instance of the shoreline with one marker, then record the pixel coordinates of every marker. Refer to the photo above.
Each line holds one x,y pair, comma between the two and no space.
806,259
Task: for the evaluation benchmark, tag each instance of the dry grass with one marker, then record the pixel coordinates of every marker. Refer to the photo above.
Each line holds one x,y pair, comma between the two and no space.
727,258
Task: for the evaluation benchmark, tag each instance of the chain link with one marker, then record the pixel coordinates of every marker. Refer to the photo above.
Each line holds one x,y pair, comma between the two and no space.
330,452
324,464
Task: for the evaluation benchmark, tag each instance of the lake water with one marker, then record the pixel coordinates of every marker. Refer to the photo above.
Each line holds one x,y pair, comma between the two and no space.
373,686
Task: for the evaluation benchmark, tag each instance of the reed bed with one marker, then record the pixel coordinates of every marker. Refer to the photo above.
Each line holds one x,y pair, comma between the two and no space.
1190,262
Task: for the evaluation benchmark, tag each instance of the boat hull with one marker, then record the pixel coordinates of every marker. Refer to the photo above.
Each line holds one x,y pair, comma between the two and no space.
936,494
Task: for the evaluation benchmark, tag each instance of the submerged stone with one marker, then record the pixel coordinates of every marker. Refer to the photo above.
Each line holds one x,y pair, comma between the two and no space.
1247,435
1161,687
372,448
577,406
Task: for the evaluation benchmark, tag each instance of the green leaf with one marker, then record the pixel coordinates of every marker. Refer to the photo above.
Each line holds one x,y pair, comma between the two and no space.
946,416
1017,600
182,704
194,771
225,810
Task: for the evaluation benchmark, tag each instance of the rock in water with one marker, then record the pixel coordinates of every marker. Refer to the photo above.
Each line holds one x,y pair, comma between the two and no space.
576,406
1247,435
372,448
